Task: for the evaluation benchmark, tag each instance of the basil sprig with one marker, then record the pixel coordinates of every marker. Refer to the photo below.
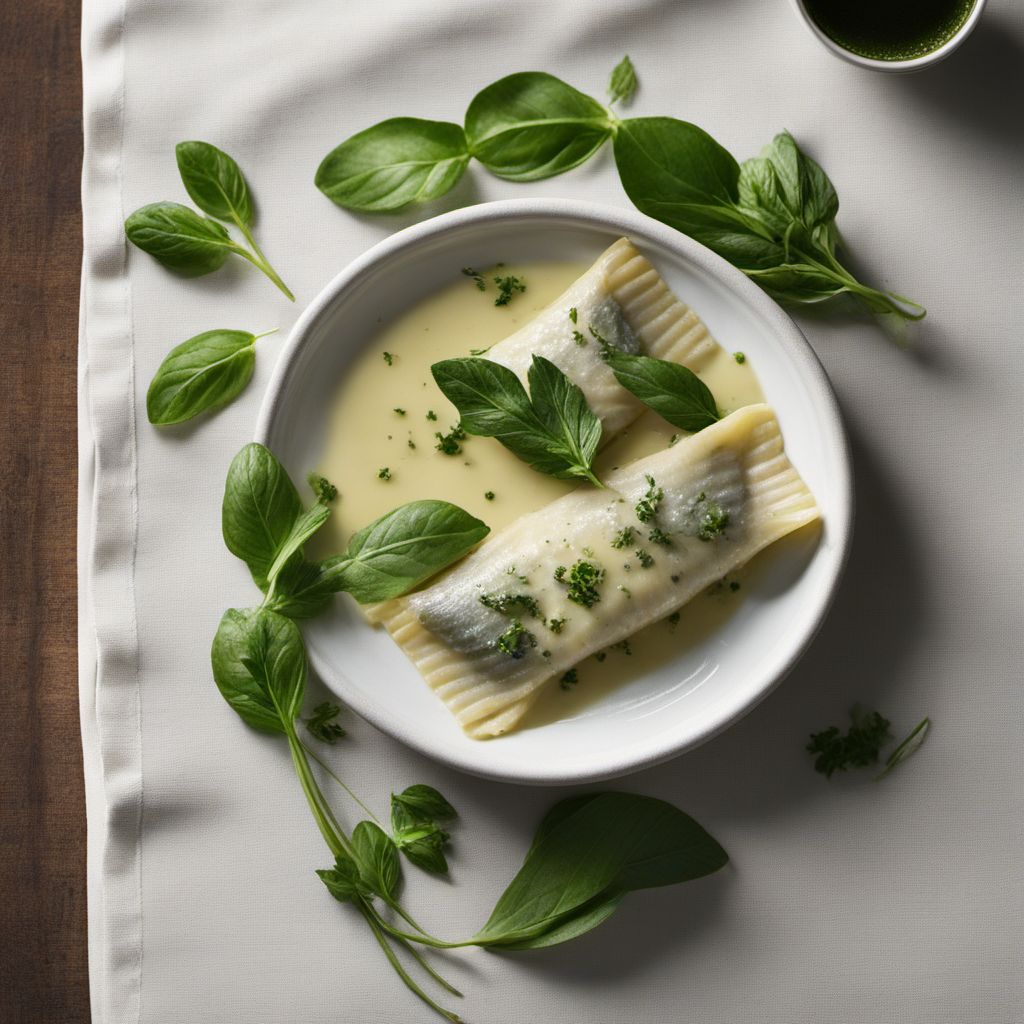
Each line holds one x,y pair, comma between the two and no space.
589,851
552,429
192,245
673,391
203,373
773,216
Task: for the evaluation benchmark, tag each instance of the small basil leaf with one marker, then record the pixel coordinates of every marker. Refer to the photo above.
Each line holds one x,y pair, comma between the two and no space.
377,859
323,725
259,666
205,372
761,196
260,507
302,529
397,162
492,402
532,125
179,238
343,881
622,84
674,392
562,407
424,847
419,804
215,182
604,846
809,194
402,549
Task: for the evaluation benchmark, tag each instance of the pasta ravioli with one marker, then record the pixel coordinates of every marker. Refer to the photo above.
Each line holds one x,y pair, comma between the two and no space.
595,566
620,301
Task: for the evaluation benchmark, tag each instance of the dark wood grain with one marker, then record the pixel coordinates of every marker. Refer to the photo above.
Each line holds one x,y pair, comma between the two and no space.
42,820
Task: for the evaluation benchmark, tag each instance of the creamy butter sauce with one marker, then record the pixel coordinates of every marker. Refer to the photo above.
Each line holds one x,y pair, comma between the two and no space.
367,435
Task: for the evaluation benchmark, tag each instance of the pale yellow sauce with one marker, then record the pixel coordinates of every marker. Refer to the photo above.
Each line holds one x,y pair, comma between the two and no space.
367,435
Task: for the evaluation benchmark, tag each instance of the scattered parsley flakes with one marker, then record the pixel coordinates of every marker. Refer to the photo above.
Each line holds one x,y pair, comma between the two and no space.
388,358
645,558
582,579
624,537
322,726
579,339
384,473
860,747
515,640
324,490
600,656
556,625
625,590
411,443
431,415
573,314
733,586
489,495
739,357
712,519
481,284
506,604
398,412
624,646
448,444
647,507
569,680
659,536
673,620
507,287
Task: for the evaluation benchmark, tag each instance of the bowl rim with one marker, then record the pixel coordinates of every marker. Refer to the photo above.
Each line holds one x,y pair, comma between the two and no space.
926,60
638,227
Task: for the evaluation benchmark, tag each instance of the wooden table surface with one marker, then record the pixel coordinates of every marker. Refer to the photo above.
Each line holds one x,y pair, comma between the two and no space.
42,817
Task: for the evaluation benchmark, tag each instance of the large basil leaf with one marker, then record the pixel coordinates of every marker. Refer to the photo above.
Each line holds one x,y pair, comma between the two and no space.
588,857
674,392
402,549
205,372
260,507
377,859
554,430
215,182
397,162
180,239
532,125
259,665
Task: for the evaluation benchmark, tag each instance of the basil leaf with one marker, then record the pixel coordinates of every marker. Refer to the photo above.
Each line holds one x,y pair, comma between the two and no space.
179,238
554,430
674,392
603,847
214,182
302,529
259,666
419,804
260,507
574,924
203,373
810,196
402,549
343,881
397,162
376,858
761,196
532,125
622,84
301,590
425,848
799,283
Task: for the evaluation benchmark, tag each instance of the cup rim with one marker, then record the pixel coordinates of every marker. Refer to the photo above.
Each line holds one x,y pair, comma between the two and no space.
913,64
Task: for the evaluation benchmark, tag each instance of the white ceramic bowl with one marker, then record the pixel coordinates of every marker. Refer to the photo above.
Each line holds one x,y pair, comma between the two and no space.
709,686
898,66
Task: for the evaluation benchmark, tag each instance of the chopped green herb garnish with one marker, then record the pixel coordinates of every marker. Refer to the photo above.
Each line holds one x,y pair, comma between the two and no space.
624,646
324,490
431,415
673,620
556,625
712,519
645,558
858,748
733,586
625,590
573,314
582,579
659,536
400,412
515,640
411,443
674,440
624,537
489,495
448,443
507,604
322,725
477,278
384,473
647,506
569,680
739,357
388,358
578,338
507,286
600,656
480,351
606,348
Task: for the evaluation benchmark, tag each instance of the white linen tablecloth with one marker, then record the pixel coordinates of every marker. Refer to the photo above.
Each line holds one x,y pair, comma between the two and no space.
845,902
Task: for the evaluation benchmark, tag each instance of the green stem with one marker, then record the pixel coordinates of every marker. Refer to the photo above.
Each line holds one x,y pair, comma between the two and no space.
423,938
312,753
322,813
373,921
257,259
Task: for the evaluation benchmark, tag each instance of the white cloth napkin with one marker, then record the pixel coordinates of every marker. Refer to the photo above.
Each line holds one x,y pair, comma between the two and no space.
846,902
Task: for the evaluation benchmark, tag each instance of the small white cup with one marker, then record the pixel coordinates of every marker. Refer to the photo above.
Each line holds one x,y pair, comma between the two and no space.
914,64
